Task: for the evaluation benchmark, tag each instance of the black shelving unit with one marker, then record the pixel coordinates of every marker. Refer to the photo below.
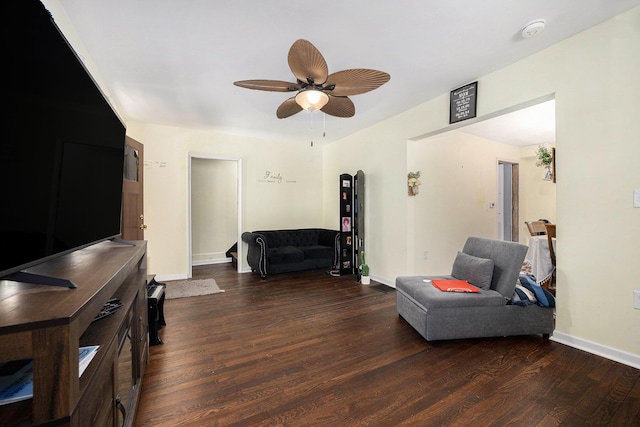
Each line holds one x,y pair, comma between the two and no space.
346,224
358,220
351,222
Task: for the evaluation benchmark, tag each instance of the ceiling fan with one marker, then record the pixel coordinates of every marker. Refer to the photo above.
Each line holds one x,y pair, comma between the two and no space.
317,89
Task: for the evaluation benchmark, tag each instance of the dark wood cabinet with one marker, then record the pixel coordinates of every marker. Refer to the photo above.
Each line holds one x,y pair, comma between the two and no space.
48,324
96,406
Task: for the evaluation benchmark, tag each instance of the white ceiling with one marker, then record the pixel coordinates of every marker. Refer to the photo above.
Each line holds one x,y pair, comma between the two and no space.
528,126
174,62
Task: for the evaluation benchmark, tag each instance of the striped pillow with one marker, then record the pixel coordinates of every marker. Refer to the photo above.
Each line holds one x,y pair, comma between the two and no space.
528,292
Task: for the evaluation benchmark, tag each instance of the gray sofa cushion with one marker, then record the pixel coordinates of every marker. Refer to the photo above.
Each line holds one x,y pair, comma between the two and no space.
431,298
475,270
507,261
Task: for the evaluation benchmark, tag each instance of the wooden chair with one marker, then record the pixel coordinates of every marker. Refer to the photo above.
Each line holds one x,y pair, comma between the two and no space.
551,234
536,228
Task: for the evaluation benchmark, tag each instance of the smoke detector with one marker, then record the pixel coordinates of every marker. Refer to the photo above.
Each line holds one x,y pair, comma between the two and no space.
533,28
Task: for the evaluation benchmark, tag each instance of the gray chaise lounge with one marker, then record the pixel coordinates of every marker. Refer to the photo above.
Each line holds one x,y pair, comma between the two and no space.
439,315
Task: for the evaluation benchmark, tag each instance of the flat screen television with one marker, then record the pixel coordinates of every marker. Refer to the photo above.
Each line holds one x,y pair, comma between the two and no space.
62,150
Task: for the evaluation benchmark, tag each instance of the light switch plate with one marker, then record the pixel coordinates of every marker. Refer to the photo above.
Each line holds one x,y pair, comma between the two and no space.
636,198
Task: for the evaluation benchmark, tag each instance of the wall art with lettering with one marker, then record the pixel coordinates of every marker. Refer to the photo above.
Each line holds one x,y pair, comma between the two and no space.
463,103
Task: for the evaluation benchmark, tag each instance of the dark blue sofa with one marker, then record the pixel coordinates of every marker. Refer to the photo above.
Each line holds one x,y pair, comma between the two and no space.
281,251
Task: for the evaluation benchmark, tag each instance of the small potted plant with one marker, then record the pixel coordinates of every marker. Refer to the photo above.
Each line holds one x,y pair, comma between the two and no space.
364,270
545,157
413,183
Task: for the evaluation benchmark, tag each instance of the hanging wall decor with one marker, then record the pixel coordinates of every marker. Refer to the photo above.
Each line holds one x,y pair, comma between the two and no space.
413,183
545,160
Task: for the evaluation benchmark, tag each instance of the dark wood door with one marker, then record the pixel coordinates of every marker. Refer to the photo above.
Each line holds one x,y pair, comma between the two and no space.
133,225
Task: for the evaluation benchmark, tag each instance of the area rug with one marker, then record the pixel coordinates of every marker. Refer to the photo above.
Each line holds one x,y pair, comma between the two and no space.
191,288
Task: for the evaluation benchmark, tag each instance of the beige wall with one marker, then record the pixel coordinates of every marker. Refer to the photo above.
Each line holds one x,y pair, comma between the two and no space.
381,155
290,200
458,172
593,77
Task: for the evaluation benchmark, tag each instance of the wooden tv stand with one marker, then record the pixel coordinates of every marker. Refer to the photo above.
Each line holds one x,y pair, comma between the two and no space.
48,324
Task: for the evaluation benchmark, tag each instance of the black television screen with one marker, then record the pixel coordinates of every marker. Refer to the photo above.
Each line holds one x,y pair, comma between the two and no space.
62,154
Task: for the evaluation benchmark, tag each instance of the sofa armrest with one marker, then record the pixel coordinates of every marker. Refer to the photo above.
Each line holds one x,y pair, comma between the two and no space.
257,252
250,238
327,237
330,238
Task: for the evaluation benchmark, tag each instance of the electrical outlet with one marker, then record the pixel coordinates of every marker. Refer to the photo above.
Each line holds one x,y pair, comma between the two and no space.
636,300
425,255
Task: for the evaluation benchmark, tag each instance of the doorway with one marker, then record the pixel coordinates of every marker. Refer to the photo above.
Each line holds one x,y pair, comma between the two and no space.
215,209
508,201
521,194
527,126
133,225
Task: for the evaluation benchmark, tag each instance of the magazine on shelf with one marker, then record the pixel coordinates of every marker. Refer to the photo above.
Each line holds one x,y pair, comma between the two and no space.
16,381
85,356
16,377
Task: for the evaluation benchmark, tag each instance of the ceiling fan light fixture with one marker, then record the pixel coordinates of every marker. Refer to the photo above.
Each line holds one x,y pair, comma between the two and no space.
312,99
317,89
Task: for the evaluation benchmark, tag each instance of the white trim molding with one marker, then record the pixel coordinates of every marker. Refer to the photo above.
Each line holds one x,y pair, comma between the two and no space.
614,354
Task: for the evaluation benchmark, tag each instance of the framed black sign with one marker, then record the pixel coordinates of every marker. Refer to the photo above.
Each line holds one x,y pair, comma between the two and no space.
463,103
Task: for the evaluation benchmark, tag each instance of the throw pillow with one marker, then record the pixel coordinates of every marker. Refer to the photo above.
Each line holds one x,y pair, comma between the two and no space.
477,271
522,296
539,294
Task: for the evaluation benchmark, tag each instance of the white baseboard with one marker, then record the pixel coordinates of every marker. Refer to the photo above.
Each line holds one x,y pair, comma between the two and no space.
170,277
383,281
211,261
614,354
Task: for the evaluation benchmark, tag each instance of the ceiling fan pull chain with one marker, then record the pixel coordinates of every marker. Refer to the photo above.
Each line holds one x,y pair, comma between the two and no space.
324,125
311,130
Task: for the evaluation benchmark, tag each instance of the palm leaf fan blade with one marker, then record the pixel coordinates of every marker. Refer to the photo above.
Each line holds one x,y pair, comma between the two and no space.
339,106
288,108
307,62
268,85
356,81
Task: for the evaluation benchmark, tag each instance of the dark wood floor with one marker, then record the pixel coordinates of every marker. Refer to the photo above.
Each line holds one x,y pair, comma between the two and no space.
309,349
